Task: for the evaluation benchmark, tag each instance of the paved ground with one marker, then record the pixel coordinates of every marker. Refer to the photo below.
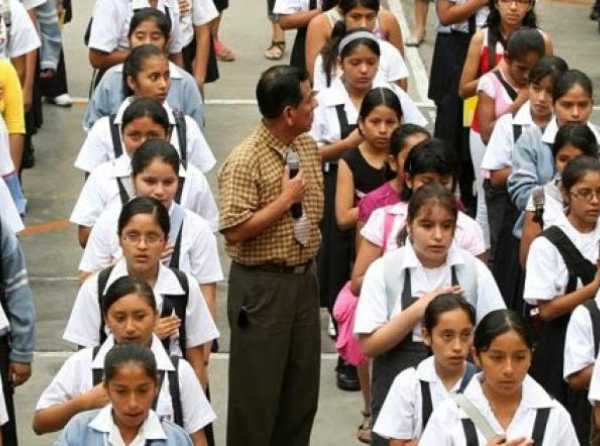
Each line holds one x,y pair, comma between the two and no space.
53,185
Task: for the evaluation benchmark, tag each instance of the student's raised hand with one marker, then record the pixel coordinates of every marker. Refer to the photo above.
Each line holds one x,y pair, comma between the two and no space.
168,251
19,372
522,97
167,326
293,188
355,138
428,297
96,397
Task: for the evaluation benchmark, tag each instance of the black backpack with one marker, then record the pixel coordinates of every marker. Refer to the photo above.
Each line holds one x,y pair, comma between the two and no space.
170,302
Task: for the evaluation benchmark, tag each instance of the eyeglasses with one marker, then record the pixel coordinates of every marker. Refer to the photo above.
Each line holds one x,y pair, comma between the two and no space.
587,194
518,2
135,238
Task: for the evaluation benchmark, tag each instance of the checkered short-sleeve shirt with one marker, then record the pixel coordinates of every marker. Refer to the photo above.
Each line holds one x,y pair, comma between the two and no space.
250,179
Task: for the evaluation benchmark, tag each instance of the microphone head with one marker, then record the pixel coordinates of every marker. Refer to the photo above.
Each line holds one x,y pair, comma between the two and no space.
293,160
538,197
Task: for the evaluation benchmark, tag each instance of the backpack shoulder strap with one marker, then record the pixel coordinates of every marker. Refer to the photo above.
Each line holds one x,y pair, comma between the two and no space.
470,432
512,93
181,128
175,391
577,265
592,306
174,263
539,426
177,218
426,403
97,374
467,278
474,415
102,281
517,131
115,136
466,379
123,194
177,303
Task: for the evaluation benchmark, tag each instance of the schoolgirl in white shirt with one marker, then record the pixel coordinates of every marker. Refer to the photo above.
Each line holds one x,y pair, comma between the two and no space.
562,273
186,324
391,66
131,383
192,246
108,44
429,161
448,326
110,182
398,287
129,310
510,407
146,73
572,140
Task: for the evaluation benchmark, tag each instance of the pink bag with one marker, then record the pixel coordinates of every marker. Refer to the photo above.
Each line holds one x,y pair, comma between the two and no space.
344,310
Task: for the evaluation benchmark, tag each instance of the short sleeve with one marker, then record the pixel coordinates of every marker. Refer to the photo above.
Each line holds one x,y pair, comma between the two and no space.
238,194
286,7
371,312
90,203
541,272
23,35
398,416
204,255
176,40
97,146
106,26
471,237
487,84
200,326
395,67
410,111
594,393
498,154
64,384
199,152
197,412
488,295
579,342
99,247
373,229
198,197
83,326
203,11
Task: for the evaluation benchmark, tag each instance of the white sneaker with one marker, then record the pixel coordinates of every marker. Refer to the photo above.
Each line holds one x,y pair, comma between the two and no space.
64,100
331,329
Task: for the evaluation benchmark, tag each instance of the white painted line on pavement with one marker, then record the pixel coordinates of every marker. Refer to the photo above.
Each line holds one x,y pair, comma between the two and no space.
214,356
53,279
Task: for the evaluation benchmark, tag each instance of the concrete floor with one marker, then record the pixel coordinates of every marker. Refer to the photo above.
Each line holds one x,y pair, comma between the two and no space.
53,185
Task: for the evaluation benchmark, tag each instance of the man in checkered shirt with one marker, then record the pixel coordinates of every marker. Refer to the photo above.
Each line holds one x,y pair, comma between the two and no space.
273,299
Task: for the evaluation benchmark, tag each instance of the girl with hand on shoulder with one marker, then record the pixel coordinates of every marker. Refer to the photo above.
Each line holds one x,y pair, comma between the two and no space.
110,183
431,161
146,74
130,312
398,287
572,140
448,326
185,325
562,273
148,26
515,410
131,385
192,246
356,14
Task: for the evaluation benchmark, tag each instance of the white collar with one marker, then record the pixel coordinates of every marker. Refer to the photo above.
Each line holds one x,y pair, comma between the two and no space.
174,70
335,94
410,259
128,100
151,429
533,395
121,166
523,115
551,130
564,223
426,372
163,362
166,282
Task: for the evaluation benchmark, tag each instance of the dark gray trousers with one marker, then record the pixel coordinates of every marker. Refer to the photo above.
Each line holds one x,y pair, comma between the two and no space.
275,357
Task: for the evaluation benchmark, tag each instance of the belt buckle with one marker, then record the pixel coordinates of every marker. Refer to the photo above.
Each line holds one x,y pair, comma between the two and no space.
299,269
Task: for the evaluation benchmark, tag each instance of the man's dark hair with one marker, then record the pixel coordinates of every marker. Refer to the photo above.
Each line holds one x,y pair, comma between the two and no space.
278,87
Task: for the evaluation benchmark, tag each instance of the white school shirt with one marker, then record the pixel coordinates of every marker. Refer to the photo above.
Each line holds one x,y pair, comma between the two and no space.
463,27
326,126
83,326
579,341
23,35
391,67
202,12
546,274
75,377
372,309
468,234
401,415
554,208
498,154
199,255
3,412
285,7
551,130
110,26
101,191
151,429
445,427
98,145
8,210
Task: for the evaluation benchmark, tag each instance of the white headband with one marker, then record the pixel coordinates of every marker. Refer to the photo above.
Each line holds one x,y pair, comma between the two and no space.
355,36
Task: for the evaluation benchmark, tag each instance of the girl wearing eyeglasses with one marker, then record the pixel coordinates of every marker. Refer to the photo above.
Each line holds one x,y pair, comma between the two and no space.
562,273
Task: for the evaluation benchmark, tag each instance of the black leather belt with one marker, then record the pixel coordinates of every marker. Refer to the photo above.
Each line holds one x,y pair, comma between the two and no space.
283,269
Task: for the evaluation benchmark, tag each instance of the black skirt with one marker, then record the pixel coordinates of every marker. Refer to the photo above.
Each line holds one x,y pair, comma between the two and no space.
189,54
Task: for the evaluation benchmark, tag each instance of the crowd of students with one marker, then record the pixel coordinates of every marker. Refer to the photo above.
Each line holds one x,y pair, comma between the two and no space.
459,266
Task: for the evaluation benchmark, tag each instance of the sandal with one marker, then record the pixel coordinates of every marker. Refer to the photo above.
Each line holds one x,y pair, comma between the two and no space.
275,51
414,41
223,53
364,430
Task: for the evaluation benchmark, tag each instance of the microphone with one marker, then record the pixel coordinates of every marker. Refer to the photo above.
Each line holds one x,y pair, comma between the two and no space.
293,163
539,199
